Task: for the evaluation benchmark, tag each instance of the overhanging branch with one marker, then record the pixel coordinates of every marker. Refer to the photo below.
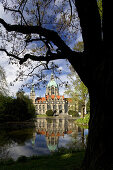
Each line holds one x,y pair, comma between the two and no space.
51,56
50,35
62,52
9,54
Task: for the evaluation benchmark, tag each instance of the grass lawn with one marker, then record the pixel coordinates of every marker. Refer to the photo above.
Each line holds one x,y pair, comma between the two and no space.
42,116
67,161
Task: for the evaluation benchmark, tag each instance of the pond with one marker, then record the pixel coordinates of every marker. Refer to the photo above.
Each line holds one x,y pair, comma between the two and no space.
46,137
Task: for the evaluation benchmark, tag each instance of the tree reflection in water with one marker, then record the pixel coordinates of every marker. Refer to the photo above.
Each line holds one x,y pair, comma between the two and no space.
48,136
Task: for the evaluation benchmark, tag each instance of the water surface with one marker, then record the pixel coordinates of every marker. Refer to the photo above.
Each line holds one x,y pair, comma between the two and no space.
48,136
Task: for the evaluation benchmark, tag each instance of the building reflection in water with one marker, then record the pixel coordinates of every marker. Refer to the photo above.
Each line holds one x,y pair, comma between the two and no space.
47,137
49,131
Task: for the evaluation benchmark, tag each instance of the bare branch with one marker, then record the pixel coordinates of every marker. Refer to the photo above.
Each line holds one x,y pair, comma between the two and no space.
70,7
9,54
49,57
38,9
14,10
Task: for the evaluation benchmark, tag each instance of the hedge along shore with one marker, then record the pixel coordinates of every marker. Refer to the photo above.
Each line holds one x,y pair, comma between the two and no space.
57,161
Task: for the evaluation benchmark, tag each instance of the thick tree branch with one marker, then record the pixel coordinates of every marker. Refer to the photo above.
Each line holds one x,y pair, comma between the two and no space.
79,57
63,51
50,35
9,54
90,23
52,56
49,57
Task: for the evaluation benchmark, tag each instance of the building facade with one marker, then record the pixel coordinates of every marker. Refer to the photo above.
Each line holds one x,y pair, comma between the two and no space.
52,100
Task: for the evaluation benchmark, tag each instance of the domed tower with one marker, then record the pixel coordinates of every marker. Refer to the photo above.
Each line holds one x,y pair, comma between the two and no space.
52,87
32,94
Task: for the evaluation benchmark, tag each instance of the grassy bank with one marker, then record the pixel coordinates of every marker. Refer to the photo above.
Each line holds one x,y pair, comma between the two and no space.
58,161
38,116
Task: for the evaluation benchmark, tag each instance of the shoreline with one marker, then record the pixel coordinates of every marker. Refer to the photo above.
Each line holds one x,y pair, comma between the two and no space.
57,160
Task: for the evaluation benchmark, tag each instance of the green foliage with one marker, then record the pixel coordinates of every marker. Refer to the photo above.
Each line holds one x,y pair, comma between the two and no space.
20,109
84,121
76,88
73,113
58,161
99,3
5,108
49,113
79,46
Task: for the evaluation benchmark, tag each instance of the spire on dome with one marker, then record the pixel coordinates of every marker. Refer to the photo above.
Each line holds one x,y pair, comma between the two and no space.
52,77
52,82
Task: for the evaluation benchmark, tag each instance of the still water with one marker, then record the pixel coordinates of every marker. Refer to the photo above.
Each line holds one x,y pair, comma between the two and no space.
48,136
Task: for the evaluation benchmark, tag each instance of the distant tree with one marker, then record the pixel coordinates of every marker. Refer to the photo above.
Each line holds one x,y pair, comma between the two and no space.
20,109
20,94
73,113
76,88
27,106
5,108
3,82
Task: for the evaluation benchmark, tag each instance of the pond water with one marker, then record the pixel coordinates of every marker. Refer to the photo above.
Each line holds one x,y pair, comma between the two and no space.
48,136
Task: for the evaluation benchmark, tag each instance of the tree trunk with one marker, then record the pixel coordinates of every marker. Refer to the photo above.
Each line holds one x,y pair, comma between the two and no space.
99,152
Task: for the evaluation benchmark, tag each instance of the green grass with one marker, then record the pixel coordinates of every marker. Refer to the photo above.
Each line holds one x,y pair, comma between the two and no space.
42,116
39,116
67,161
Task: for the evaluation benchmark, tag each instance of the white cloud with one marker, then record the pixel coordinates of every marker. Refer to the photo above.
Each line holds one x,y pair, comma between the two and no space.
6,16
11,70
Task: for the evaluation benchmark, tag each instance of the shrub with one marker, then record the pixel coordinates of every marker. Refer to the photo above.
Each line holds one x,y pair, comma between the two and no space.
84,120
49,113
73,113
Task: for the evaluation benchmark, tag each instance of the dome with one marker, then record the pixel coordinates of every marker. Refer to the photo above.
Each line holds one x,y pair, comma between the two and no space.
52,82
52,148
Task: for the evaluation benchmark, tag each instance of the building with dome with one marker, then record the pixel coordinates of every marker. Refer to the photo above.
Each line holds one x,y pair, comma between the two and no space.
52,100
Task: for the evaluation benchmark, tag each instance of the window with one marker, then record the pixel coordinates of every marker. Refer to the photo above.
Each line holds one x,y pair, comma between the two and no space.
48,107
52,90
54,107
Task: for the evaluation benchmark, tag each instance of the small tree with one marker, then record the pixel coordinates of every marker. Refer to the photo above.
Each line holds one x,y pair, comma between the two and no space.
73,113
76,89
49,113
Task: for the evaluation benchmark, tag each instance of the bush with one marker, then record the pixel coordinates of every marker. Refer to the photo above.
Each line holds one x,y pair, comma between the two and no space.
49,113
84,120
73,113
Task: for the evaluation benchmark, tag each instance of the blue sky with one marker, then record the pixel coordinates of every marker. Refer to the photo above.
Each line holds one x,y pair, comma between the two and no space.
12,70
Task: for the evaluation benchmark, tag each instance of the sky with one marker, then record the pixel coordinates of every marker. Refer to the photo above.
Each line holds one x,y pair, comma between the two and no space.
12,70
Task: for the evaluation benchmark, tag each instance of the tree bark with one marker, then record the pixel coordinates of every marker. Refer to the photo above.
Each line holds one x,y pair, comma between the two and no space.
99,152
